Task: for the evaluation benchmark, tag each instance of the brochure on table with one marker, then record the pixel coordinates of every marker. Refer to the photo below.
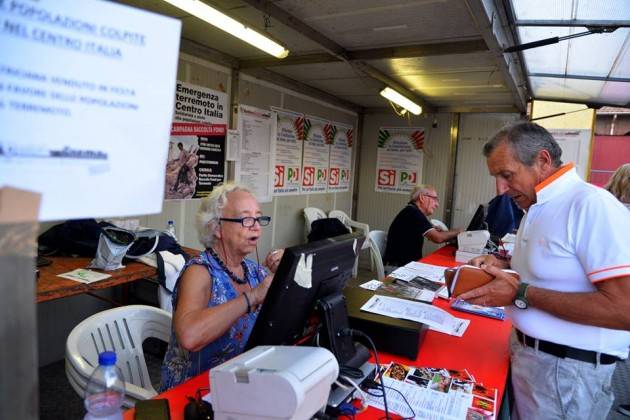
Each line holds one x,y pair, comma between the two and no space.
435,393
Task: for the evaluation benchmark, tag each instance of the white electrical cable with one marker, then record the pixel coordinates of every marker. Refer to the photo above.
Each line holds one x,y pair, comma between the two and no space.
364,403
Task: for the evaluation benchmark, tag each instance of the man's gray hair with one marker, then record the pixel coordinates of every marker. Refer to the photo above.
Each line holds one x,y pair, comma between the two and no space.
211,210
419,190
526,139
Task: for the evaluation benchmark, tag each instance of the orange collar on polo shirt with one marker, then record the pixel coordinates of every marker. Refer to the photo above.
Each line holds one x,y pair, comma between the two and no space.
552,185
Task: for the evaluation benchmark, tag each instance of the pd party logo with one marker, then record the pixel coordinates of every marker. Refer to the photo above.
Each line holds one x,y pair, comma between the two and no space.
322,175
407,178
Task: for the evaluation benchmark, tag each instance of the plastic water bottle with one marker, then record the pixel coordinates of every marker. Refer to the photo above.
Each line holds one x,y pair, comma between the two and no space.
170,228
105,390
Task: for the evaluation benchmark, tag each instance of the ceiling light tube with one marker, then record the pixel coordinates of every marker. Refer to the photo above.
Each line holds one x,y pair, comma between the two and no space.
400,100
224,22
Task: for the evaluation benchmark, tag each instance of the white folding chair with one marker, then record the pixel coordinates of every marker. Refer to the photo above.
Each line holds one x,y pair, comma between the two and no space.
122,330
377,240
310,215
354,226
364,228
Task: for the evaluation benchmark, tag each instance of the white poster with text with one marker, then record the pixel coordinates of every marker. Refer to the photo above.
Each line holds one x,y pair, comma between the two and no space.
316,155
255,168
289,142
399,159
199,104
86,105
340,166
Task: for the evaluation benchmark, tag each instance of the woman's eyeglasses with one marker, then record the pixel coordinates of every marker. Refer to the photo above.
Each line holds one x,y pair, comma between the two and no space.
248,221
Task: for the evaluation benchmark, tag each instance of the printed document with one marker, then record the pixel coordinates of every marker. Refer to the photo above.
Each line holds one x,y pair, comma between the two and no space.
436,318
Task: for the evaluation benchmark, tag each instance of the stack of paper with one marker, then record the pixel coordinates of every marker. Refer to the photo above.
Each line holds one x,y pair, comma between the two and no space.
423,276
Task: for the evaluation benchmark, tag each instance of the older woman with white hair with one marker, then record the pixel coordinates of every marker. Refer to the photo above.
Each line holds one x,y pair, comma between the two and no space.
216,298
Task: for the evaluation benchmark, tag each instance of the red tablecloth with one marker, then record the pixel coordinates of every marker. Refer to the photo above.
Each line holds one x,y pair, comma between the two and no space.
482,350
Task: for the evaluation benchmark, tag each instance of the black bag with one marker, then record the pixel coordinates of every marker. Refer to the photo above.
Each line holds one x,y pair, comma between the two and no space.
72,238
327,228
81,237
149,241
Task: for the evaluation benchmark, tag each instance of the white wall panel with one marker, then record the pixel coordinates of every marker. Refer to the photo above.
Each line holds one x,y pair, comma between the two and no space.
473,183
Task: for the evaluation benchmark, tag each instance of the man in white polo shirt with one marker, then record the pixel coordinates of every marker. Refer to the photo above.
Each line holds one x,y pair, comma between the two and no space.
571,308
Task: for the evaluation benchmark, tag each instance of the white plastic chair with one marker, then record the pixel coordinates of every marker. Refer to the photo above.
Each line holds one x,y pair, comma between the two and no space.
438,224
122,330
364,228
310,215
377,240
354,226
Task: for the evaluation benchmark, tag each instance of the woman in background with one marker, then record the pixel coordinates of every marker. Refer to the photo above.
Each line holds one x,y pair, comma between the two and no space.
216,298
619,184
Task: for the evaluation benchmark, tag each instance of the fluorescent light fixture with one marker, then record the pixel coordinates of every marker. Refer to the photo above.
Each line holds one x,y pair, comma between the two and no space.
224,22
398,99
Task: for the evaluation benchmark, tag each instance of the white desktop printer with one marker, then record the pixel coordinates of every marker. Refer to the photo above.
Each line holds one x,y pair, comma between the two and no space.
471,244
273,382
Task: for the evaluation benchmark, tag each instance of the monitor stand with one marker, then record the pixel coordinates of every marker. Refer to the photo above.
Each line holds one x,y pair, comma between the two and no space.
339,395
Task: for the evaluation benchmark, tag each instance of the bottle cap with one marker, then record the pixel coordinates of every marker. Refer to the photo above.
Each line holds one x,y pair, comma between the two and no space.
107,358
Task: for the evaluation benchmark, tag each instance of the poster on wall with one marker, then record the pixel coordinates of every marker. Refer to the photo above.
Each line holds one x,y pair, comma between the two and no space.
576,146
399,159
316,155
199,104
196,160
86,98
340,165
255,167
288,161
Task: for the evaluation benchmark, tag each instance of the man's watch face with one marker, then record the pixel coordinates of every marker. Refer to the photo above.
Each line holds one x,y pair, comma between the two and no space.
521,304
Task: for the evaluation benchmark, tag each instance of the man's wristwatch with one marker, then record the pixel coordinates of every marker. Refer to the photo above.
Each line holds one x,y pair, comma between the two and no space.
520,301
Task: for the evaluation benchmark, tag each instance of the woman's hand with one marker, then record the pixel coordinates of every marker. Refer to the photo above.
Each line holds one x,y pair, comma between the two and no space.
273,259
258,293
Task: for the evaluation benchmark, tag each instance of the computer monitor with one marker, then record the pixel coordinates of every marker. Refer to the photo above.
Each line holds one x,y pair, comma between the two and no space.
478,221
288,314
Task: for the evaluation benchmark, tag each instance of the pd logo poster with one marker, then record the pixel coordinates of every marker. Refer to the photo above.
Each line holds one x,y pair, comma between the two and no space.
399,159
340,157
290,137
316,155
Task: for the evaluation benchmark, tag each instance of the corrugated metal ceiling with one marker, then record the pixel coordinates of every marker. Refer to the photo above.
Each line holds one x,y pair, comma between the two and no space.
435,49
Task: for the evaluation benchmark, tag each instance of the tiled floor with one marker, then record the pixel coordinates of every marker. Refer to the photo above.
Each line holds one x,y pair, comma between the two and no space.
57,399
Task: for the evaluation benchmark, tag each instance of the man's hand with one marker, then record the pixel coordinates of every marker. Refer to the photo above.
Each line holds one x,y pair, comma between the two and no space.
273,259
499,292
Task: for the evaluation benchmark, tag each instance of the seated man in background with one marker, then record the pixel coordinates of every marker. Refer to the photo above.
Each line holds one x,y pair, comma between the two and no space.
407,232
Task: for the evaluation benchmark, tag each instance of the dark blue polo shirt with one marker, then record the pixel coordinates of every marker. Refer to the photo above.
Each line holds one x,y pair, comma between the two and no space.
406,236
